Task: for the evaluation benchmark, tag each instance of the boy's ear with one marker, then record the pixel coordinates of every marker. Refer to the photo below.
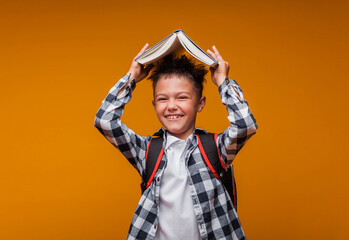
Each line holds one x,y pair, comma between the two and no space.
202,103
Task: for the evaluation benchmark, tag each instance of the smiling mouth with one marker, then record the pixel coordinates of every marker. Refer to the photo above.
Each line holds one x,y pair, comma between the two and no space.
174,117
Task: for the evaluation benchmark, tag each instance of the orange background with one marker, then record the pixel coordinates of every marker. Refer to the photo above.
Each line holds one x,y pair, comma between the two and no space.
60,179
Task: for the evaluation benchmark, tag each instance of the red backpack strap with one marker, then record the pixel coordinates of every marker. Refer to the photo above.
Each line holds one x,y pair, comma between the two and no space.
209,151
219,156
152,161
204,155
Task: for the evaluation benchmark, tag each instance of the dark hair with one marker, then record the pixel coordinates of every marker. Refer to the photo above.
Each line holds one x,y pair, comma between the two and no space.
181,66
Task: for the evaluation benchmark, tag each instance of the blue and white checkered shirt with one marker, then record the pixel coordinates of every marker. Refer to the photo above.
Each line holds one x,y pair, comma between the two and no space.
213,207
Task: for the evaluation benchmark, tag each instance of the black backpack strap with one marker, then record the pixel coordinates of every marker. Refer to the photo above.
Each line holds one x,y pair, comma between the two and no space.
209,151
231,188
152,161
208,148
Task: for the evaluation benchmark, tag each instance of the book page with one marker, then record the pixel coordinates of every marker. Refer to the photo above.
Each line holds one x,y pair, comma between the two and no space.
161,49
195,50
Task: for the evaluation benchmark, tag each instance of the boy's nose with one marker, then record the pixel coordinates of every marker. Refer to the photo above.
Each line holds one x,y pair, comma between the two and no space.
172,105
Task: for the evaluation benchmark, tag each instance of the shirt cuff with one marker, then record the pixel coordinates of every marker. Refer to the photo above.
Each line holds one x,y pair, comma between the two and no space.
232,88
129,89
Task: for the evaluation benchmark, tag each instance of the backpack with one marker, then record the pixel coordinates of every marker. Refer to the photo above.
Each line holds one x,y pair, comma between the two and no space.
210,154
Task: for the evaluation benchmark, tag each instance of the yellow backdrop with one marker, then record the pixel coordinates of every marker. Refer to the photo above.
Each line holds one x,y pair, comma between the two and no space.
60,179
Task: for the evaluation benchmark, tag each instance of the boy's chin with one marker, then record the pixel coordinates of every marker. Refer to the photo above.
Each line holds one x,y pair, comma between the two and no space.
173,131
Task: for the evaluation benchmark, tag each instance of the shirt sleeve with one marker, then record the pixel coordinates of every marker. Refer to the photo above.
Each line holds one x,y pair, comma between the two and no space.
242,123
108,122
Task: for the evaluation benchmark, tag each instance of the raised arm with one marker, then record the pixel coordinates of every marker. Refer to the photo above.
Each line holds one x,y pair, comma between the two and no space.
242,123
137,71
108,121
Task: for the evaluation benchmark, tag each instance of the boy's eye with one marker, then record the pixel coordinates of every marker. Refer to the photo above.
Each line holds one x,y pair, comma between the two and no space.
161,99
183,97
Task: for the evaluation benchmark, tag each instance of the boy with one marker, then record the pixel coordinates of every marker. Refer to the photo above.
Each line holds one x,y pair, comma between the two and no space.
184,200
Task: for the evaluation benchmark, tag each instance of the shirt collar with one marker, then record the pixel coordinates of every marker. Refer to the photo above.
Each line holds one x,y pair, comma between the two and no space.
171,139
163,132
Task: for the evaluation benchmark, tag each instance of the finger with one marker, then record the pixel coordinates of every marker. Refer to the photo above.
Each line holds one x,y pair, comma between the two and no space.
212,54
219,57
142,50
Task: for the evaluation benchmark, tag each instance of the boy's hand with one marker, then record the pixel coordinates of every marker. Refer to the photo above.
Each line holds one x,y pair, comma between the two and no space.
220,72
137,70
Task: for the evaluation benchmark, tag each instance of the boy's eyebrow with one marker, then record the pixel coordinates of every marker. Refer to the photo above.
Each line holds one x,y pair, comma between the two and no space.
176,93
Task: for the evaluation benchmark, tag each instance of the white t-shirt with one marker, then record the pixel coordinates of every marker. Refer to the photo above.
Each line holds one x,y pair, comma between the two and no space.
176,214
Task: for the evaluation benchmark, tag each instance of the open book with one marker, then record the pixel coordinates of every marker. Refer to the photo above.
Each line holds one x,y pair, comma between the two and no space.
170,44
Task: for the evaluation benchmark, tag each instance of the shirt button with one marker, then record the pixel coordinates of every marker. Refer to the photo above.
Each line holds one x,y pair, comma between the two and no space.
227,81
158,179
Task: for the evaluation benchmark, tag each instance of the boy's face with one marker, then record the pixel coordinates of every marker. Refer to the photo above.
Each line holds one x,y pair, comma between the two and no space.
176,104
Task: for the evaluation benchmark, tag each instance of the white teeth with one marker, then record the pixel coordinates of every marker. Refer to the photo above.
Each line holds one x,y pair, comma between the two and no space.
173,117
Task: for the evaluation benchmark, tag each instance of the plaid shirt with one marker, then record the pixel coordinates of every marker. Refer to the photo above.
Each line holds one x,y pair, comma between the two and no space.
214,210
